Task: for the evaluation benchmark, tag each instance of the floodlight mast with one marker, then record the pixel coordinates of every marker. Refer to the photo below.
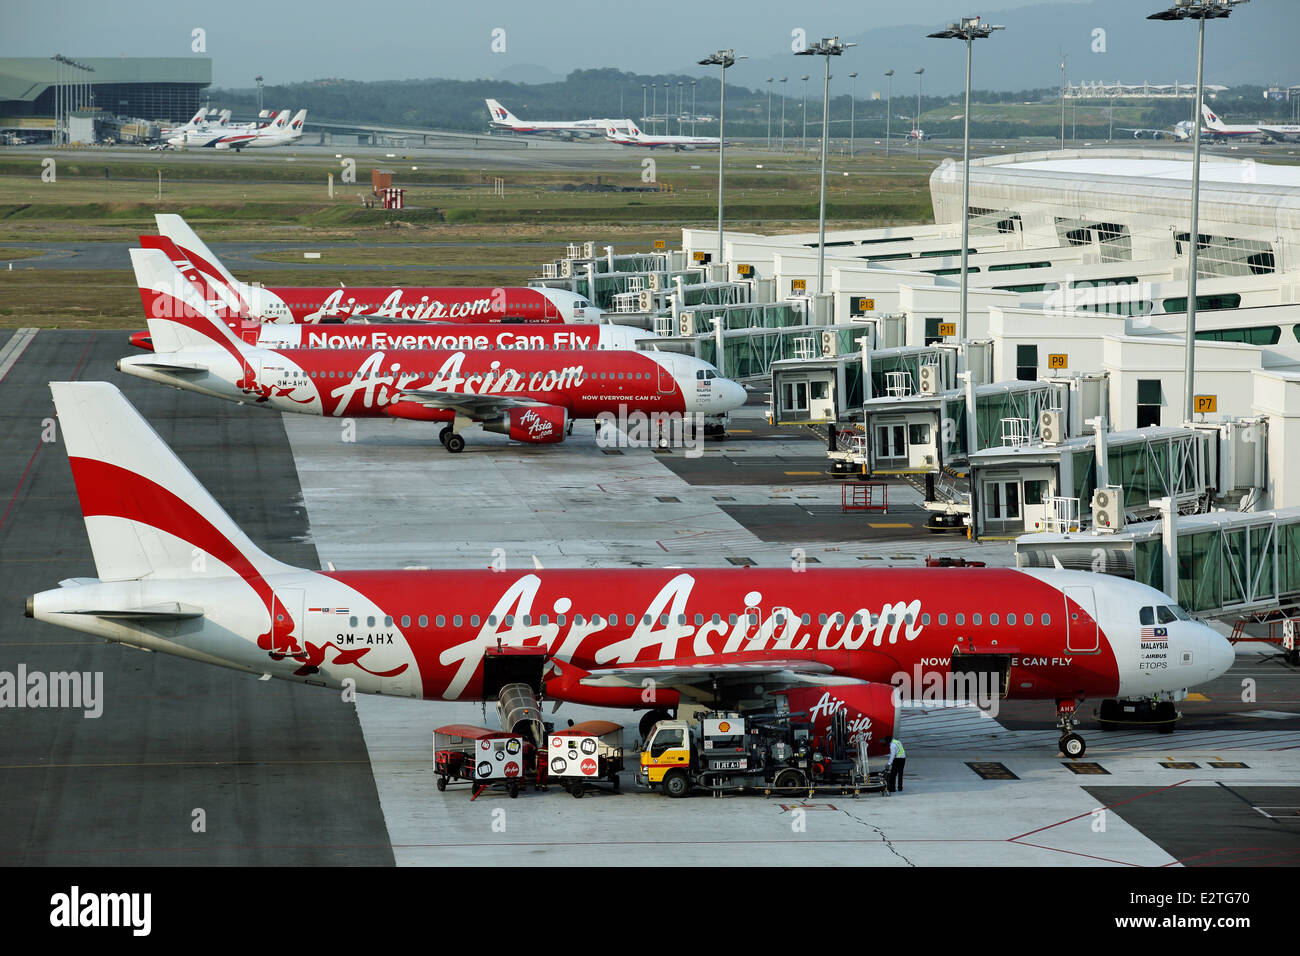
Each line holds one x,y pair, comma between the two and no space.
967,30
1200,11
826,47
724,59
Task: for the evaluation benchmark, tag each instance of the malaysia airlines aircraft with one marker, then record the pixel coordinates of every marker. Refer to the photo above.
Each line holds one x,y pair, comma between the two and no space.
175,574
1278,132
283,131
308,304
531,396
502,118
633,136
212,135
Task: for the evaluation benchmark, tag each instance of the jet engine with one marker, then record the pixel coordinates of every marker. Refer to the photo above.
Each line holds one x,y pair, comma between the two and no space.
869,709
536,425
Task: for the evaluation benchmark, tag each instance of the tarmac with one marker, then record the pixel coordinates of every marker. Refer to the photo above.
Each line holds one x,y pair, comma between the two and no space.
292,775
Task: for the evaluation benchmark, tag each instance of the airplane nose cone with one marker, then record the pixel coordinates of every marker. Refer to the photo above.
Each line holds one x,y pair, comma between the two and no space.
733,395
1221,654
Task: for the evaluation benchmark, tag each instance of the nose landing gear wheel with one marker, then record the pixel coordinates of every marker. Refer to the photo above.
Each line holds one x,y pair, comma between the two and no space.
1073,746
455,444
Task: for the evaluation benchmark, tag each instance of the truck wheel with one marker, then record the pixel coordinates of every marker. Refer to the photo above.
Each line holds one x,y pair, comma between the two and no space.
613,780
676,784
513,790
789,779
442,783
577,790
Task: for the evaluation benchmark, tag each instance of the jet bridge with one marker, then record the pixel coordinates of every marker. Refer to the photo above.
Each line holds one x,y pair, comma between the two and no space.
1226,564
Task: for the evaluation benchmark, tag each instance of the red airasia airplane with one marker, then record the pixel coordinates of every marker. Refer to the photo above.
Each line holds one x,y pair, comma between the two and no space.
329,304
532,396
177,575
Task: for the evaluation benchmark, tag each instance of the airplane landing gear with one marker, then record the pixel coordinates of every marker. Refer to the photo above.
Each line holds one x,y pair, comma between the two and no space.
444,434
1071,744
455,444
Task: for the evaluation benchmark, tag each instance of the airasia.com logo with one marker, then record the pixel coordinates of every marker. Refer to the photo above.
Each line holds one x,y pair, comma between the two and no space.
537,426
588,767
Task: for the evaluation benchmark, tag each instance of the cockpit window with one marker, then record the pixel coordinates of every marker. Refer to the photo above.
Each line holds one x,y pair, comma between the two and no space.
1165,615
1147,616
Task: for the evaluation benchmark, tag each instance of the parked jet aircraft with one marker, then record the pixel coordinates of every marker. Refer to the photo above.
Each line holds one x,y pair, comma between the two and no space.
335,304
175,574
632,136
1278,132
503,119
532,396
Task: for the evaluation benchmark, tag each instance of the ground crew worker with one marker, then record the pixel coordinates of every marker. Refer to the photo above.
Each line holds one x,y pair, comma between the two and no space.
897,760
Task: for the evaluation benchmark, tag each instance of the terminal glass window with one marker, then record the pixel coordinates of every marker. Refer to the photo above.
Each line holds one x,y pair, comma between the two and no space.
1027,363
1256,335
794,396
1148,402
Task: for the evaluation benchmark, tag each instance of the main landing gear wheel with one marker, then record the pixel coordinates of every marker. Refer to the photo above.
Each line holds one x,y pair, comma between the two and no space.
1073,746
455,444
444,434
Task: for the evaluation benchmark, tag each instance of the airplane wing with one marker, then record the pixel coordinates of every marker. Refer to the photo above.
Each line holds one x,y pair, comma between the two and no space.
703,677
477,407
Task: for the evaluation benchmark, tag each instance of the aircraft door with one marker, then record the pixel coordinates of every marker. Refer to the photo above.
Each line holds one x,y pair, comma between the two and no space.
1081,620
667,384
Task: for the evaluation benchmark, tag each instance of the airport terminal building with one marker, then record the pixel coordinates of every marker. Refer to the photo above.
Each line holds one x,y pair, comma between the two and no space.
165,89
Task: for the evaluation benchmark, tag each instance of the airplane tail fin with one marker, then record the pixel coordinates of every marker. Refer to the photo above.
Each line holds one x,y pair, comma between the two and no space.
499,113
146,514
223,298
198,117
281,121
223,118
179,317
295,124
1212,121
200,256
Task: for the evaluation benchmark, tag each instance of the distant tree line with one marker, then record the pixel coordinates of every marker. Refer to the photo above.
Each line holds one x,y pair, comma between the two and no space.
610,93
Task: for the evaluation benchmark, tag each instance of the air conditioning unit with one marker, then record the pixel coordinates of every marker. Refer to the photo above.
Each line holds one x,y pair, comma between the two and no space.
1108,508
830,347
928,379
646,300
588,250
686,323
656,280
566,268
1049,427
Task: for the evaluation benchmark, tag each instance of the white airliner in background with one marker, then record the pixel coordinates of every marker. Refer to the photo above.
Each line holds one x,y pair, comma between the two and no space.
503,119
1278,132
282,132
632,136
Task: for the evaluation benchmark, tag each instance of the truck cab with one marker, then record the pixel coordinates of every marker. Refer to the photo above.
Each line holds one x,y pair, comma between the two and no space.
667,759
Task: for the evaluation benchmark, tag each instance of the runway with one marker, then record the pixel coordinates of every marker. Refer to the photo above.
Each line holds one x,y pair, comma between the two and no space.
290,775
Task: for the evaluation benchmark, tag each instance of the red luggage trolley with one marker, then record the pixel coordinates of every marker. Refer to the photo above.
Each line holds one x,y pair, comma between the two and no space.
484,758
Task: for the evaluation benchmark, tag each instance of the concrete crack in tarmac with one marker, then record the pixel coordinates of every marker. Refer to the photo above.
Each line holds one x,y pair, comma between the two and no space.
883,839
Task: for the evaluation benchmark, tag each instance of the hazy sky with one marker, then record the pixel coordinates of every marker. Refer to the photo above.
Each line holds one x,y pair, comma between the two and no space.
406,39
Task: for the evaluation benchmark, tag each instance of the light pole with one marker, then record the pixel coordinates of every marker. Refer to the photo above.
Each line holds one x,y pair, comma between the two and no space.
917,124
783,79
681,91
643,101
724,59
853,102
827,47
1200,11
692,107
967,29
654,105
258,80
803,143
889,102
1064,57
769,111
